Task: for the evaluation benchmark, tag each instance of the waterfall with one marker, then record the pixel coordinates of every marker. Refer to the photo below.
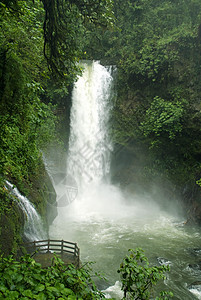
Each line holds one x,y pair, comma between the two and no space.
33,228
89,144
106,221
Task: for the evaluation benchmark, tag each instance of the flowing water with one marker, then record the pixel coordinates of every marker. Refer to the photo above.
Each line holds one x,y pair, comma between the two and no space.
101,218
33,229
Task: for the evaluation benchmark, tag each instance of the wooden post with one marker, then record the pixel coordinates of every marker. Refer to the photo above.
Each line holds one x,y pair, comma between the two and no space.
78,257
62,246
34,246
75,249
48,246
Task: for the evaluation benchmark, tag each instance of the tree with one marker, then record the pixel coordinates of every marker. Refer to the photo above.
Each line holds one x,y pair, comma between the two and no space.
26,84
163,118
156,48
63,21
138,277
63,30
20,54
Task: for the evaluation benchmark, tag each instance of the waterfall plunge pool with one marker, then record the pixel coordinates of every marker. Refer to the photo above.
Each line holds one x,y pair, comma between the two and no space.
105,228
99,218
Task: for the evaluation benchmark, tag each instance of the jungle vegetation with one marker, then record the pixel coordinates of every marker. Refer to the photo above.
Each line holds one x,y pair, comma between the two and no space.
156,46
40,47
26,279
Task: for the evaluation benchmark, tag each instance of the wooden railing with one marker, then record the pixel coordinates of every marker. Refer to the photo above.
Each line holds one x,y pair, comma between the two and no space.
56,246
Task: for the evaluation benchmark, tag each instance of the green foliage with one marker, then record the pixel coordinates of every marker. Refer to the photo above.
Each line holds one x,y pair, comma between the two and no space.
163,117
138,277
152,36
6,202
25,279
27,87
20,117
156,48
64,28
21,33
23,116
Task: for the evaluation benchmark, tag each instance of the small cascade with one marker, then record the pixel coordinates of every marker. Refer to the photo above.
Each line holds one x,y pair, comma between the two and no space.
33,228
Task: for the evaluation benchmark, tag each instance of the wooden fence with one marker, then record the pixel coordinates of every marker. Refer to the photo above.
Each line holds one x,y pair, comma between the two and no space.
55,246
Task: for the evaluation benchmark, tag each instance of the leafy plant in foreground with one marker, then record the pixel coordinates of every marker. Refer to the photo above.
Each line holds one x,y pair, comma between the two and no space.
138,277
25,279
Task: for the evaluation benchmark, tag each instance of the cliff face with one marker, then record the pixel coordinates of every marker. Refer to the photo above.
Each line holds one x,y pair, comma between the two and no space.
192,202
152,163
131,169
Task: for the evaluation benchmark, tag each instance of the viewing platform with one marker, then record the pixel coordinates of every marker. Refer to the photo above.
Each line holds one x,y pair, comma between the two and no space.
43,252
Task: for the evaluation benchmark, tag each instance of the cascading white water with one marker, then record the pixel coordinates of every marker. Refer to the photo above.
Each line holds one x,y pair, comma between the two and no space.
89,145
99,219
33,229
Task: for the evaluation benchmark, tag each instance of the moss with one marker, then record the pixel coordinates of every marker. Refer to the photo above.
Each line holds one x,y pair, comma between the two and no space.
42,194
11,230
40,191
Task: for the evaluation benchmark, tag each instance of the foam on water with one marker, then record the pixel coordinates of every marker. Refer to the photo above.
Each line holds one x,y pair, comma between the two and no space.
196,292
114,291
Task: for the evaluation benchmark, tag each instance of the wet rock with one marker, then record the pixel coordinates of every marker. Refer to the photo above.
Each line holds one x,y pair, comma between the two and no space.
195,284
195,252
11,225
163,261
195,288
194,214
196,267
43,195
